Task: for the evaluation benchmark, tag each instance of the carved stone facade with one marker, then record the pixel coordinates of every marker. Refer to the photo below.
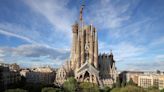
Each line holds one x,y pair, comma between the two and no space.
85,64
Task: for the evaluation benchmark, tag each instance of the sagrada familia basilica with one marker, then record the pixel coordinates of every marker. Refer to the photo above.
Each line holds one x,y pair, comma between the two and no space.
85,64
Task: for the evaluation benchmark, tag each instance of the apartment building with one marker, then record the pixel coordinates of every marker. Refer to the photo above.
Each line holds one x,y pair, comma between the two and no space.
8,76
151,80
39,75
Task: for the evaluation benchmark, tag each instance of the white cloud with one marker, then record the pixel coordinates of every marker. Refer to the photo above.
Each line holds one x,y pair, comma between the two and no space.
55,63
104,13
144,63
127,50
110,14
38,51
1,53
31,36
134,29
1,60
3,31
123,51
146,66
32,54
61,17
1,56
158,41
159,58
56,11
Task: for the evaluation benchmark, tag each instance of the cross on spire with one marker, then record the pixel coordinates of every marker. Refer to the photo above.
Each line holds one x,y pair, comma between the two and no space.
110,50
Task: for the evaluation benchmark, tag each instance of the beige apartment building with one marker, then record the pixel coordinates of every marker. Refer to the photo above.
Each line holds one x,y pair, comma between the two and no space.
161,82
144,79
149,80
39,75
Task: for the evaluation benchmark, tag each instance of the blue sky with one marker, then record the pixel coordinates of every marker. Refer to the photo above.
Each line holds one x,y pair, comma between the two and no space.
38,32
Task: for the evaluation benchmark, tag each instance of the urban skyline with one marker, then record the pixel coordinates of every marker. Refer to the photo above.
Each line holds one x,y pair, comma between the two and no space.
37,33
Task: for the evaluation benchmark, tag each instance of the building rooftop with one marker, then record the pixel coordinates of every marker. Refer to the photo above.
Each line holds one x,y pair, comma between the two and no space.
42,69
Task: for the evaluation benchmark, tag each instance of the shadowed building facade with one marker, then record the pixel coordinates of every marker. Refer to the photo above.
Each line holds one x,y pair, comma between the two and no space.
85,64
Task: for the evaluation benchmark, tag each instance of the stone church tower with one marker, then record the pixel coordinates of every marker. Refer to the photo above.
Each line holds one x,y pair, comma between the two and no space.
84,47
85,64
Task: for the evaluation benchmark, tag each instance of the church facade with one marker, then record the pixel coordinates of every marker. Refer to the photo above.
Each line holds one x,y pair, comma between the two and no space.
85,64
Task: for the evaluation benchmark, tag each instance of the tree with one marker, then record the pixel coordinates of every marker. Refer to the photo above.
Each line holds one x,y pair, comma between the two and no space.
131,82
118,83
158,71
51,89
16,90
123,84
162,90
132,88
88,87
70,85
106,89
23,81
152,89
116,90
129,88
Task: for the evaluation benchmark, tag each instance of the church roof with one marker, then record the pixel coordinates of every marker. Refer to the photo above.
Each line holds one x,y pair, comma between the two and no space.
87,67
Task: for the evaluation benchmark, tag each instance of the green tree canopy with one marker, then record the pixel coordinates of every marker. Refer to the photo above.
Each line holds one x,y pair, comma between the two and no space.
16,90
88,87
128,89
106,89
162,90
51,89
118,82
116,90
123,84
70,84
131,82
132,88
152,89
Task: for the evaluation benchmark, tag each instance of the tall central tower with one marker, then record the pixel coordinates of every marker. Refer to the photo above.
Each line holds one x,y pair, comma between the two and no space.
85,44
85,64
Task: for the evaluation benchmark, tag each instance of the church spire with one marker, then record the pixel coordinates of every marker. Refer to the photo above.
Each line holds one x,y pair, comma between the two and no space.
81,12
